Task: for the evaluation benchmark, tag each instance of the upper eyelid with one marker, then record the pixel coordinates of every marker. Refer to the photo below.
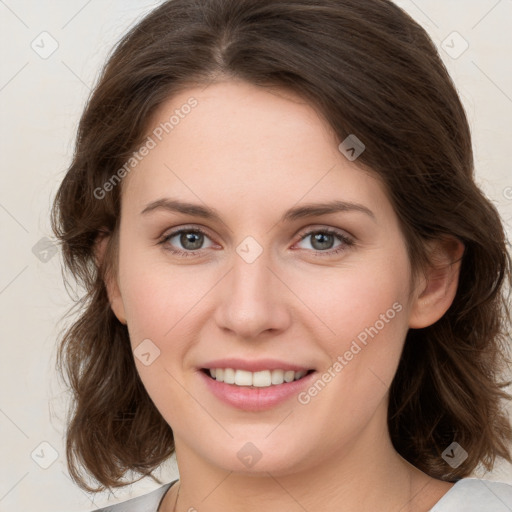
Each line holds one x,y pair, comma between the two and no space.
332,230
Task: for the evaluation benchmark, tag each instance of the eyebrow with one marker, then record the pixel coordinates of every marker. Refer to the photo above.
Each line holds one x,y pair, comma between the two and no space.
297,212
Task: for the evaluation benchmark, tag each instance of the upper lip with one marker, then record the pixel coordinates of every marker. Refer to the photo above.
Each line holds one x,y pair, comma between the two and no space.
254,365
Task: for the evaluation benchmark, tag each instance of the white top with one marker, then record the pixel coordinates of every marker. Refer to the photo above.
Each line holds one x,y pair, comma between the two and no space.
145,503
467,495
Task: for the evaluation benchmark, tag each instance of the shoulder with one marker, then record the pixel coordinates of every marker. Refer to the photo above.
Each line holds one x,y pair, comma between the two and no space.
145,503
476,495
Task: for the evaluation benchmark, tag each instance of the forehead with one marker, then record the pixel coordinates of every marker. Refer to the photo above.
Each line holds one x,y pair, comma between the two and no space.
244,143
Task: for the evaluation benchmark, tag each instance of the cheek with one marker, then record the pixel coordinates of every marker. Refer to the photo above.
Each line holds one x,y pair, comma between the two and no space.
364,320
351,300
158,297
159,303
367,312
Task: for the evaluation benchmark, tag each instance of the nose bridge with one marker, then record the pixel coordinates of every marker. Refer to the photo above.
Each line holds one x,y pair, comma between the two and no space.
251,275
251,299
251,279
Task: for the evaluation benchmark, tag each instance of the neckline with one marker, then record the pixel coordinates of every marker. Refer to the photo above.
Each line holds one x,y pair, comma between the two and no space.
170,484
451,491
439,502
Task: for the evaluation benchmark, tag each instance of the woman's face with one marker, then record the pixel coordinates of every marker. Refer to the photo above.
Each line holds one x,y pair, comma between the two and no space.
279,280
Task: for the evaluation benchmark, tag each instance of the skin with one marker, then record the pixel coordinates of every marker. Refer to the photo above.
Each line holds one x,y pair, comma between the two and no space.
252,153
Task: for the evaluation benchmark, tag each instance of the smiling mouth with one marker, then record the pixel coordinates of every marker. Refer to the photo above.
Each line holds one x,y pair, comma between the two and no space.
260,379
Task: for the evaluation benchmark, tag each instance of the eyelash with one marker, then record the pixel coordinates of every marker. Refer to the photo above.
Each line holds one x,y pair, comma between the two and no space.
346,241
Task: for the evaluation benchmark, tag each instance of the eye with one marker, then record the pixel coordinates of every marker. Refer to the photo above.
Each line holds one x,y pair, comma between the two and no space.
191,241
323,240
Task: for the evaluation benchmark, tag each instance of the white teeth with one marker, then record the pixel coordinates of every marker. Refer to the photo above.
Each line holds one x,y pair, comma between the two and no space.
289,376
243,378
277,376
229,376
261,379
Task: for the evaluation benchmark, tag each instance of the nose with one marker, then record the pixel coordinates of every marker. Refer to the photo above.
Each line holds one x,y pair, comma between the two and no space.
252,300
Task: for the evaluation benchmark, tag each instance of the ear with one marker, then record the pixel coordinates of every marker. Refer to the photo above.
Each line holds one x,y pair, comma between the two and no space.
111,284
436,289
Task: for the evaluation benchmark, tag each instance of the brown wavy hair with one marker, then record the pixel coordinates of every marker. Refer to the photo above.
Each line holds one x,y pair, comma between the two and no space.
370,70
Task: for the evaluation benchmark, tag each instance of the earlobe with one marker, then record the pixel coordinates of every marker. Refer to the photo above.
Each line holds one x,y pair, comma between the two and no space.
436,290
111,284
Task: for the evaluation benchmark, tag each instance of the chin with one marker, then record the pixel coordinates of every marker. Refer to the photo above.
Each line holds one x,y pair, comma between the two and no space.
259,456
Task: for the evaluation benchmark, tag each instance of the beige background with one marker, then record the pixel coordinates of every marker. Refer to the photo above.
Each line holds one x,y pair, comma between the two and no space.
40,103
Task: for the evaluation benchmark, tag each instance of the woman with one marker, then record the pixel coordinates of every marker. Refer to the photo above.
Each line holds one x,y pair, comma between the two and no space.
293,281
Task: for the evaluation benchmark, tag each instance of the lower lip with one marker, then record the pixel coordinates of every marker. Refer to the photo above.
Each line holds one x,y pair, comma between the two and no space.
255,399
